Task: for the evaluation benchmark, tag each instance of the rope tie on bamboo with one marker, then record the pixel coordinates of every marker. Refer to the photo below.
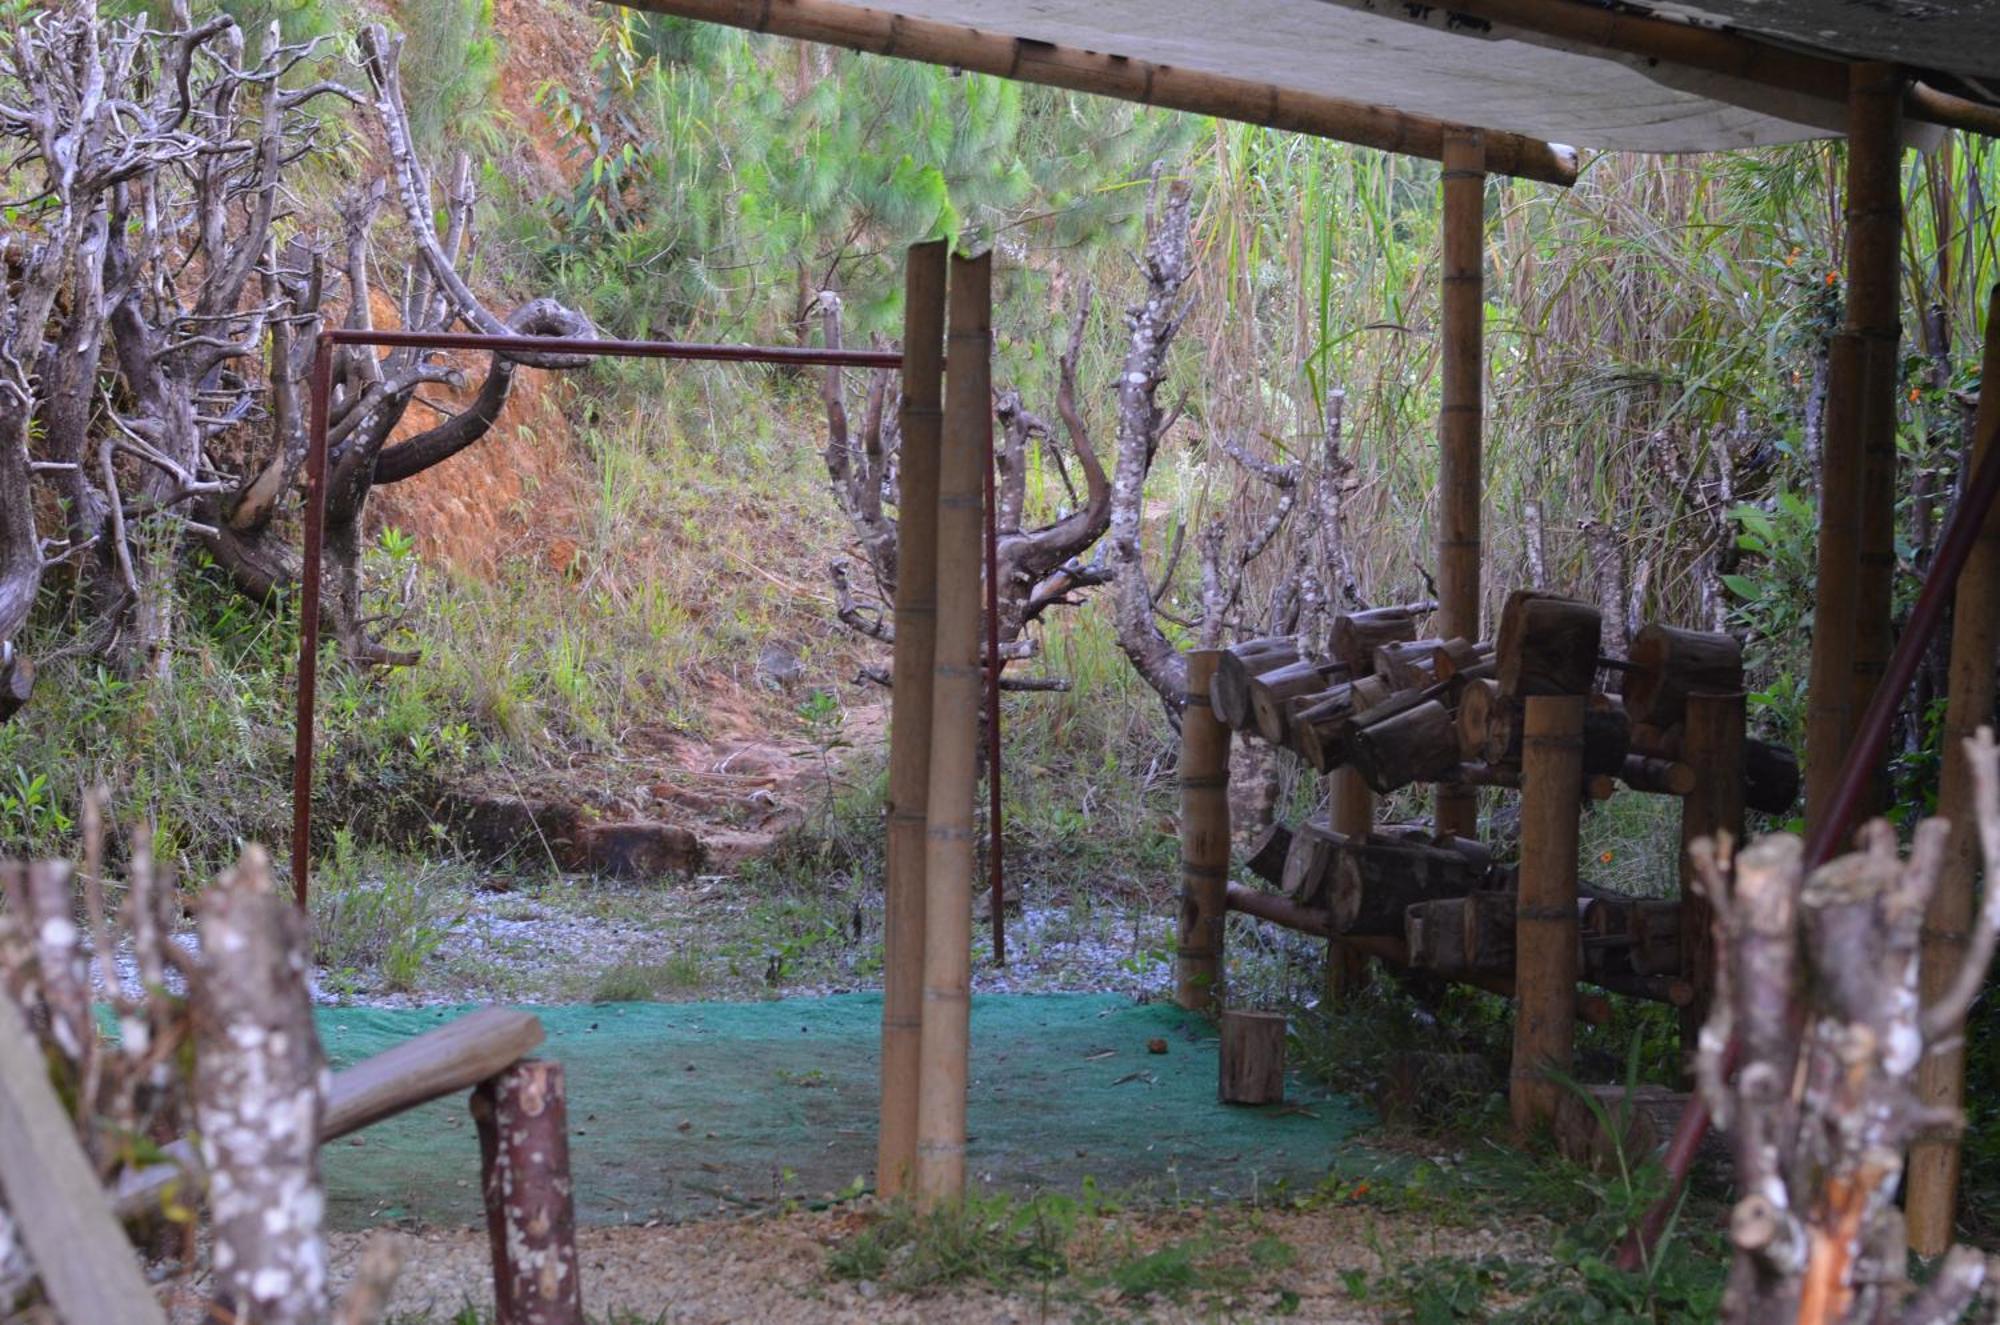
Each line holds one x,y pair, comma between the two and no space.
1204,871
947,833
1200,700
923,412
908,817
763,23
1544,914
1204,781
1957,938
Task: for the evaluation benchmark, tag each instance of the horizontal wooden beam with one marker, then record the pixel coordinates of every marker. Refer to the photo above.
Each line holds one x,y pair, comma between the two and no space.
1713,50
873,30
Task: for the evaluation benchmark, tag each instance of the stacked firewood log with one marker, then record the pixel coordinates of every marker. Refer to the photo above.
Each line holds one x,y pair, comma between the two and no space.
1402,709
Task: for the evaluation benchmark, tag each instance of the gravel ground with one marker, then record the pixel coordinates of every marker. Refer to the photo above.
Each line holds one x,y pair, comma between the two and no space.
774,1269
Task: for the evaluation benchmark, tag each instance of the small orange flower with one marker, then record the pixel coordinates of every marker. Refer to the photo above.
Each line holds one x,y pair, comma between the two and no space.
1831,278
1914,393
1604,859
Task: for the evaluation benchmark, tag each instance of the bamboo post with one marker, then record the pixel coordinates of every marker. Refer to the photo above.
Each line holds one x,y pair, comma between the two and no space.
1461,349
1874,302
1204,774
1931,1199
1545,939
1351,810
1712,741
910,716
1850,612
523,1120
948,856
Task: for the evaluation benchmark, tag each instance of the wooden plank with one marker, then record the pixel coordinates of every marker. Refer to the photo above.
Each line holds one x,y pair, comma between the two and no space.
87,1266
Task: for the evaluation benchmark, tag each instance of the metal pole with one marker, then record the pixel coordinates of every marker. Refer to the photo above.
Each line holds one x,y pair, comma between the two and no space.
320,388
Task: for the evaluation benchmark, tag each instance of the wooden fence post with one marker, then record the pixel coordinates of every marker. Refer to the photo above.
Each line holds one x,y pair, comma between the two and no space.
1204,777
523,1121
910,717
1545,904
1931,1201
1463,314
968,422
1712,742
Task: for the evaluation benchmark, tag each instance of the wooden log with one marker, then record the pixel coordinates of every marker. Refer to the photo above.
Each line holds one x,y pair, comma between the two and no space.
1434,934
1545,942
1669,663
1476,703
86,1263
1607,737
1204,819
1241,664
1252,1058
1408,664
523,1121
258,1102
1319,733
1265,856
1456,659
454,1057
1932,1203
910,702
1770,777
1547,645
1714,744
1356,635
1417,744
1663,777
1373,884
957,691
1351,810
1309,863
1270,692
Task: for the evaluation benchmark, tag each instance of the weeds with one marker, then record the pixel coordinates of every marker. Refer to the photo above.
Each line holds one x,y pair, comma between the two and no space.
373,912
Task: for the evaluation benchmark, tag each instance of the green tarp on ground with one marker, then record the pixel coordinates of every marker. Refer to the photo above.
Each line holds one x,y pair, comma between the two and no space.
678,1110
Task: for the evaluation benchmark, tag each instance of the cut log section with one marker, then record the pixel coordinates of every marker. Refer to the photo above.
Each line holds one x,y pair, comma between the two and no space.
1320,732
1240,664
1374,884
1641,1123
1417,744
1607,736
1408,664
1461,659
1476,703
1356,635
1253,1058
1265,856
1309,861
1664,777
1271,691
1547,645
1668,664
1770,777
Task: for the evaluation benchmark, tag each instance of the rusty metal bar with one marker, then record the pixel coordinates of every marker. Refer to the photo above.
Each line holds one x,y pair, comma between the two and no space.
315,497
996,879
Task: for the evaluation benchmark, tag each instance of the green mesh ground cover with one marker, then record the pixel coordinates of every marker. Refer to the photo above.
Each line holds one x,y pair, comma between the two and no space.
678,1110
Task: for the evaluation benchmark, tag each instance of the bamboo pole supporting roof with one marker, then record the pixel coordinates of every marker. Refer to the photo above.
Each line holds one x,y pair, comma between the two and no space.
1393,75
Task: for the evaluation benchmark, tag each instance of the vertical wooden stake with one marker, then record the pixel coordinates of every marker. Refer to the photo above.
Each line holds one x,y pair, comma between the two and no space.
910,716
523,1120
1351,810
1930,1203
1461,350
1874,305
948,856
1711,741
1545,906
1204,771
1850,636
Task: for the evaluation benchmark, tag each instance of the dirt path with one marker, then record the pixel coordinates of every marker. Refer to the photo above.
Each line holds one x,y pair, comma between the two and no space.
1247,1264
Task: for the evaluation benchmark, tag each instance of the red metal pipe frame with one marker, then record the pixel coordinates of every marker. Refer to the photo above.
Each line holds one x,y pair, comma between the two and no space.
1863,754
995,881
315,498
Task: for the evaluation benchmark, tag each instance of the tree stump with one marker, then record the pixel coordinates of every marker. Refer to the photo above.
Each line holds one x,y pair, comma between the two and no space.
1253,1058
523,1121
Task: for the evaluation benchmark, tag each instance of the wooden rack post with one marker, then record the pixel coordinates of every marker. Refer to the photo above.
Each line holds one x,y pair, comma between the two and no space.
1930,1203
1462,371
1711,741
1204,776
910,716
1545,938
1851,604
1351,811
948,855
